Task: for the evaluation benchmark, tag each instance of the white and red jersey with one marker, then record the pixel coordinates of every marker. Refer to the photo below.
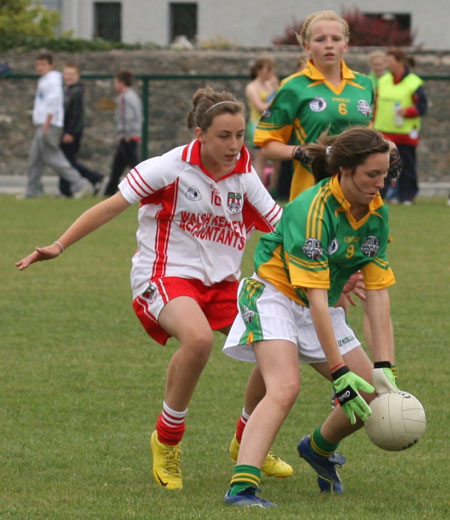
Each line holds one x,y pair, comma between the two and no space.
191,225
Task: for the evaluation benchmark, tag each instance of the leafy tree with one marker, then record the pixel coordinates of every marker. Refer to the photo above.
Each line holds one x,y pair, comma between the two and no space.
26,18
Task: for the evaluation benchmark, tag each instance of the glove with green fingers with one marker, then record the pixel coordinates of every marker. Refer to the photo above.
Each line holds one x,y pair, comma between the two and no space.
383,378
346,385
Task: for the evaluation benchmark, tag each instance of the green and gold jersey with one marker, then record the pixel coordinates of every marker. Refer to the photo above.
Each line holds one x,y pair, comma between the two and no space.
306,105
319,244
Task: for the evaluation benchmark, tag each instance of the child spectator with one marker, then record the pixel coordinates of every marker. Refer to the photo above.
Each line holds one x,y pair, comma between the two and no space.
128,128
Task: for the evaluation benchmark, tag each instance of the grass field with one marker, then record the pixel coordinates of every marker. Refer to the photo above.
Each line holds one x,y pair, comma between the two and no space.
81,386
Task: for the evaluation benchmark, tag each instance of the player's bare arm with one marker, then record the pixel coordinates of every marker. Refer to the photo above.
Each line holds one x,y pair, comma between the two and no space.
378,305
89,221
278,151
382,344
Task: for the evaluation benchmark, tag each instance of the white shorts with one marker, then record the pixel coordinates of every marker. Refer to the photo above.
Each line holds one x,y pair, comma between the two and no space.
269,315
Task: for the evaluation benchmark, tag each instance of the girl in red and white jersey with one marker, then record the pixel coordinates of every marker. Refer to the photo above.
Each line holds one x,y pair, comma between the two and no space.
198,205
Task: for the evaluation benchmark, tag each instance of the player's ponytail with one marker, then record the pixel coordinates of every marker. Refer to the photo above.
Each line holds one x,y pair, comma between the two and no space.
346,150
320,154
207,103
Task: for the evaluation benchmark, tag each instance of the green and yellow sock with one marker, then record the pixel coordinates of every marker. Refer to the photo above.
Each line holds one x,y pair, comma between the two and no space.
321,446
244,476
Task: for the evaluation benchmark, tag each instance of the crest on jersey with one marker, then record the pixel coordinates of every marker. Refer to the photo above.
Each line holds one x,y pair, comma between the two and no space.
267,113
333,247
234,202
312,248
370,246
150,293
247,314
318,104
364,108
193,193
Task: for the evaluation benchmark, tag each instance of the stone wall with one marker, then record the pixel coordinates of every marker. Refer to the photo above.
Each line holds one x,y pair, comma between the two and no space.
169,100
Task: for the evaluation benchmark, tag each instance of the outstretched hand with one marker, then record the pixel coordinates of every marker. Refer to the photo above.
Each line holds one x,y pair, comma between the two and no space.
355,284
347,385
39,254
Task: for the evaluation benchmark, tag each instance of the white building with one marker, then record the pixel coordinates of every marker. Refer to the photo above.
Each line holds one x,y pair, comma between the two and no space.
252,23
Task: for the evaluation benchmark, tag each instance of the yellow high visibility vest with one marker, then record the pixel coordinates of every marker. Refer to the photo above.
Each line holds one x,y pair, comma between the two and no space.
390,94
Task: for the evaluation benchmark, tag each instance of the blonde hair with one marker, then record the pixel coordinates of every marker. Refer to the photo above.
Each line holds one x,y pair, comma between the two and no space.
305,34
376,54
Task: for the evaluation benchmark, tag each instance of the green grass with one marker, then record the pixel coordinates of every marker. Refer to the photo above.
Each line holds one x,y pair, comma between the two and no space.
81,386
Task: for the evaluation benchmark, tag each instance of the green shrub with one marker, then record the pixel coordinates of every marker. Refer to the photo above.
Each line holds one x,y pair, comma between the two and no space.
29,43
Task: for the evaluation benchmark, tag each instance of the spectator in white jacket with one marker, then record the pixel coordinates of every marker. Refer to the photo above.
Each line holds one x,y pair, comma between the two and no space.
48,118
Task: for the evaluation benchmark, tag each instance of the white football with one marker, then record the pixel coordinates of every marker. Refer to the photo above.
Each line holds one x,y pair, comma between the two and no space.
397,421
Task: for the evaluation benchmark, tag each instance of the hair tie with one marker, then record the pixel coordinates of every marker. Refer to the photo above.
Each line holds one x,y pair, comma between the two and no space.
220,103
328,151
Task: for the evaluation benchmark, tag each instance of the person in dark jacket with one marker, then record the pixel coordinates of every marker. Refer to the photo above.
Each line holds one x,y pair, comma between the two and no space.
73,129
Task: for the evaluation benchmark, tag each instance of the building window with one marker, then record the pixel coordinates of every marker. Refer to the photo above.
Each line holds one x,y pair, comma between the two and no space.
183,21
108,20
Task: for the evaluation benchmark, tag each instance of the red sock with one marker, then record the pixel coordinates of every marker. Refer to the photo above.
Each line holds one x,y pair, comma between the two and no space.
240,425
170,426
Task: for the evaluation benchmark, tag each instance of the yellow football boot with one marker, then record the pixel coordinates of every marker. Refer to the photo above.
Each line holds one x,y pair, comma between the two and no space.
166,463
273,466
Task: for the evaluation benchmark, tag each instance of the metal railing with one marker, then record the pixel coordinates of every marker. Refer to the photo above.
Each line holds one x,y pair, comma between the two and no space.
146,92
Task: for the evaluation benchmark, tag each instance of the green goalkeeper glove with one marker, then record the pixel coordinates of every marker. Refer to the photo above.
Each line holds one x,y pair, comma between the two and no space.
346,385
383,378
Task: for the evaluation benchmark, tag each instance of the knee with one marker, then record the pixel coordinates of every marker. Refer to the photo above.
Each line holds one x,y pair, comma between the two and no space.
285,394
291,394
198,344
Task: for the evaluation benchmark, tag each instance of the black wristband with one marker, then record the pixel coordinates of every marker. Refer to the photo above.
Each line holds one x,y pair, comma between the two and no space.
300,154
346,395
340,372
382,364
395,164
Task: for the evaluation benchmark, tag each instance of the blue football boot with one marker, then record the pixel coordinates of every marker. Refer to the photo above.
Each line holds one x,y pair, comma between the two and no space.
248,498
327,476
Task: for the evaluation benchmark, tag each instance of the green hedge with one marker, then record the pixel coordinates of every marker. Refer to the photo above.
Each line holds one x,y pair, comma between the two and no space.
28,43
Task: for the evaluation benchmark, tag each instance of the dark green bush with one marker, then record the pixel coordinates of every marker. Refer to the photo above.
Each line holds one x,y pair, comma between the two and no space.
29,43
